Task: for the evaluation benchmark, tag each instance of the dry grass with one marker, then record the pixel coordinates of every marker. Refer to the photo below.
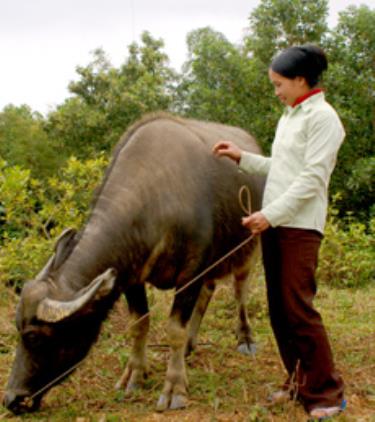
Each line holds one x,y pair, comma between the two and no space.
224,386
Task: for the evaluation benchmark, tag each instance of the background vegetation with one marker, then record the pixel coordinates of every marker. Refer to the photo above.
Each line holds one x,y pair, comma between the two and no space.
50,165
220,81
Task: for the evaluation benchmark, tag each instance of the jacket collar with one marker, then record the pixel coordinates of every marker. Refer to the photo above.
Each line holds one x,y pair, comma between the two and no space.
304,97
307,103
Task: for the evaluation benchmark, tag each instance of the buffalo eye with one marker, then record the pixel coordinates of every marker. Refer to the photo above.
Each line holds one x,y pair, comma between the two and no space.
33,339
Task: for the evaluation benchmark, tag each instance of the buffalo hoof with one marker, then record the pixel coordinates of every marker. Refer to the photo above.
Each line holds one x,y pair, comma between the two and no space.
177,401
131,388
131,380
248,349
163,403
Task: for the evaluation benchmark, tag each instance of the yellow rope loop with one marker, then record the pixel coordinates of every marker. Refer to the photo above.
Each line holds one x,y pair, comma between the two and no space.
244,198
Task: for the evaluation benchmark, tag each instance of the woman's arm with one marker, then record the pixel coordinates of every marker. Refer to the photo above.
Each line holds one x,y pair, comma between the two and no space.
254,163
247,161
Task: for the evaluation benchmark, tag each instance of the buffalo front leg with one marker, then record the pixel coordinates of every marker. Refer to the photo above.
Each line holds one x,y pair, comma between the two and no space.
136,367
174,394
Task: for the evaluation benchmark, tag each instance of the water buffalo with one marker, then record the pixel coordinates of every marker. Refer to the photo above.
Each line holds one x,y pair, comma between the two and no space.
166,209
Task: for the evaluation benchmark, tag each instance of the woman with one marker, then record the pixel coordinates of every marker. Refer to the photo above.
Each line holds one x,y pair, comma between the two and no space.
291,221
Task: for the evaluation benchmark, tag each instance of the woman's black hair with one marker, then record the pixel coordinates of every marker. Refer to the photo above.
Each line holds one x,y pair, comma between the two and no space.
308,61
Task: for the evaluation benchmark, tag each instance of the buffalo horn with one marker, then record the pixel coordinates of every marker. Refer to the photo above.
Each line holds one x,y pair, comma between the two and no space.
51,310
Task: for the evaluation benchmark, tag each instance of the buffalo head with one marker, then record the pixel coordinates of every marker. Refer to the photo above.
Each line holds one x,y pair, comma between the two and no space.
54,334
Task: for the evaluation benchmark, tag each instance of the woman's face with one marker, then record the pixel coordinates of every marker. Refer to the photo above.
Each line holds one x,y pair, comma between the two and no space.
288,90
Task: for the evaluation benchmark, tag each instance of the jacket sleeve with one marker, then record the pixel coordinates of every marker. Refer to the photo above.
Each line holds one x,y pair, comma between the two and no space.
254,163
326,136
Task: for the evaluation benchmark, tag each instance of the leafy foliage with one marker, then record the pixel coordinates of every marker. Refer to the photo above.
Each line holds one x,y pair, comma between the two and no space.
24,142
277,24
106,99
349,82
360,188
220,81
347,255
35,213
350,85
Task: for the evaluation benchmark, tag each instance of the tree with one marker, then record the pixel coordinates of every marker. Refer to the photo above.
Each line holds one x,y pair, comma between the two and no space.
106,99
349,82
230,83
211,77
221,83
351,88
277,24
24,142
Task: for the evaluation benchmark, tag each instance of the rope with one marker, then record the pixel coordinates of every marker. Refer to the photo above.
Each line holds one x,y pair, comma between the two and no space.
28,400
244,197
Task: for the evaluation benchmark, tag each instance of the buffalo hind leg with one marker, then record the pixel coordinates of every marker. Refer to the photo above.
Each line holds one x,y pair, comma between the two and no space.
242,278
174,394
200,308
136,368
245,342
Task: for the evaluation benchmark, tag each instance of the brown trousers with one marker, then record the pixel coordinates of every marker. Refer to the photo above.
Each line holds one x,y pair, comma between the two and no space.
290,258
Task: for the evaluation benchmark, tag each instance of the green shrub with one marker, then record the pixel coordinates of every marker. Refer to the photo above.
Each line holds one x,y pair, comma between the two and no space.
361,190
347,254
18,198
33,215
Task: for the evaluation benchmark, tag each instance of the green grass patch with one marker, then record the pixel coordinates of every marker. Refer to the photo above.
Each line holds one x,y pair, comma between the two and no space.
223,385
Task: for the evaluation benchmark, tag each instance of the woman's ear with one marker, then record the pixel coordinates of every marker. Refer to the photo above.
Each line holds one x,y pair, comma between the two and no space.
302,82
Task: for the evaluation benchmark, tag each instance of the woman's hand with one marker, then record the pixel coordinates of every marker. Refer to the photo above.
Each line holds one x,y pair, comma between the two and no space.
227,149
256,222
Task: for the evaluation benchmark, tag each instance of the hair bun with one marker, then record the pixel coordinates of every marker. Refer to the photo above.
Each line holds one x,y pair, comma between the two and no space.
317,55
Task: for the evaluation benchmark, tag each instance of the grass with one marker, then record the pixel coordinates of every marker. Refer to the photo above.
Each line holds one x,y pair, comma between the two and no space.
224,386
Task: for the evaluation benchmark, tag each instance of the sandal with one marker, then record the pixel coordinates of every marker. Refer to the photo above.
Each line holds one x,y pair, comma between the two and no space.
322,413
279,397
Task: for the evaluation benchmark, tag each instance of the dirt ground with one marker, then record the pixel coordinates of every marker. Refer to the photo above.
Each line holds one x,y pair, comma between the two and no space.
224,386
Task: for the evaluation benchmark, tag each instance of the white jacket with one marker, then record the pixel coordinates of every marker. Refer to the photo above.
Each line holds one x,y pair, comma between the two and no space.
303,157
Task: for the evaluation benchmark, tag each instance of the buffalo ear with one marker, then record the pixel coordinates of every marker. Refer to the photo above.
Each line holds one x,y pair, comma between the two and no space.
44,273
63,246
50,310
